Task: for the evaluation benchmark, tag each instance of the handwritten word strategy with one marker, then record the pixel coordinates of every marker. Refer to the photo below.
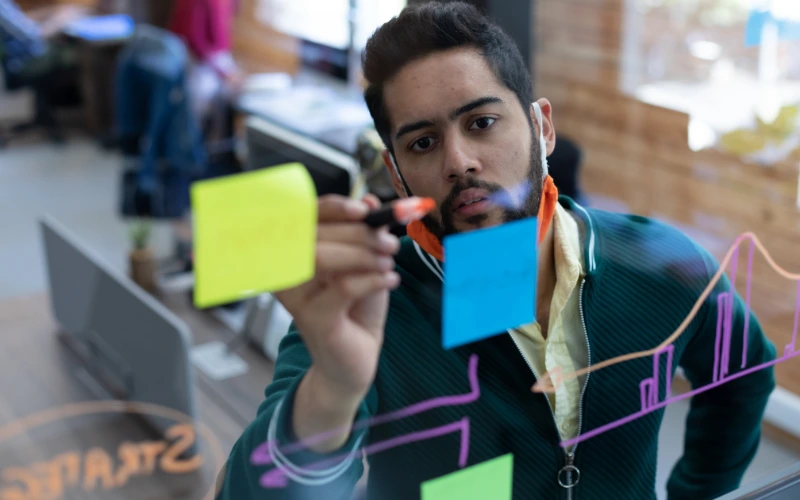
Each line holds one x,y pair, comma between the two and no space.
52,478
170,455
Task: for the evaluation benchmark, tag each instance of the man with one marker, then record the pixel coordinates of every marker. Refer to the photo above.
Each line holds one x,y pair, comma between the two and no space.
451,98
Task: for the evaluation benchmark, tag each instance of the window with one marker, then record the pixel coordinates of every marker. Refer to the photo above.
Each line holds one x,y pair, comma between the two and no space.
693,56
327,22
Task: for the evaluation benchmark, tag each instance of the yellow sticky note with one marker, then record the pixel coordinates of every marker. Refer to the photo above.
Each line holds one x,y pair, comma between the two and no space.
491,479
254,232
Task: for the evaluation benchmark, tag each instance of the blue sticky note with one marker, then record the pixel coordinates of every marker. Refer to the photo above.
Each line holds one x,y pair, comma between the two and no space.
489,282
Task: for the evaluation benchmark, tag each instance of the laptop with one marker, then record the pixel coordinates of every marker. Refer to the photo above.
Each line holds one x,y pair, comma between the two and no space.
130,344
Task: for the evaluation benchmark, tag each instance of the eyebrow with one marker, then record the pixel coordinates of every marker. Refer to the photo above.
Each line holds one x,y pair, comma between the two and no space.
466,108
477,103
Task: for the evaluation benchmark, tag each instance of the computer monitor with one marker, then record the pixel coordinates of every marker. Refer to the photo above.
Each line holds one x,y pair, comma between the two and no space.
134,347
330,31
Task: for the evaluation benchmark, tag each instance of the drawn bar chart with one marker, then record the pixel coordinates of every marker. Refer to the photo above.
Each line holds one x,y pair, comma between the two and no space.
725,301
648,387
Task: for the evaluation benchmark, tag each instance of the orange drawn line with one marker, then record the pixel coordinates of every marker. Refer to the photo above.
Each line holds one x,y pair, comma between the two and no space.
545,384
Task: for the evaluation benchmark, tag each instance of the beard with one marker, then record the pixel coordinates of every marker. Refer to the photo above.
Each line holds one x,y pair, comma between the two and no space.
529,206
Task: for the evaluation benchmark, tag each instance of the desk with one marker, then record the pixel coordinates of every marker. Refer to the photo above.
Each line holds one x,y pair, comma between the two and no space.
38,373
783,485
316,122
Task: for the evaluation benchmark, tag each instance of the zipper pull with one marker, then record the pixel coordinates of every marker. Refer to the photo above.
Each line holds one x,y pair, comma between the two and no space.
569,475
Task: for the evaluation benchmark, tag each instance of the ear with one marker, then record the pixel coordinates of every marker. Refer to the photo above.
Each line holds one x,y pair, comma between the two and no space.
548,128
394,173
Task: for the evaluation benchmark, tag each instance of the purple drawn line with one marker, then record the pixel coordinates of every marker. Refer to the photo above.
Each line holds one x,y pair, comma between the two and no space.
461,399
260,455
648,388
725,303
622,421
722,311
668,373
727,323
726,345
653,399
747,303
718,338
644,394
722,343
275,478
796,318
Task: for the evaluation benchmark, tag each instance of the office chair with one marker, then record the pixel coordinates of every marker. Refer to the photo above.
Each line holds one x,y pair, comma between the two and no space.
46,87
565,165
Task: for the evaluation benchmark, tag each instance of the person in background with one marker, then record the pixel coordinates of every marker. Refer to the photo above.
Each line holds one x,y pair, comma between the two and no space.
26,36
205,26
30,53
451,98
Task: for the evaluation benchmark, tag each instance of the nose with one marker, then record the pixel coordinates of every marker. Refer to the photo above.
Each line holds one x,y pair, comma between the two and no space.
459,160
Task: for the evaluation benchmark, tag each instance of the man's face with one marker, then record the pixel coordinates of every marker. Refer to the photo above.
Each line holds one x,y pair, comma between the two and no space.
459,135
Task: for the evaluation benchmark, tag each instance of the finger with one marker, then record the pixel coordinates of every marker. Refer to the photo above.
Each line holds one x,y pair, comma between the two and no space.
334,257
337,208
355,287
372,201
359,234
296,296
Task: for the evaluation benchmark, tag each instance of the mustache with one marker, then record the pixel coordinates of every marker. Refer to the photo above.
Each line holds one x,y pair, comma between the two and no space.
510,199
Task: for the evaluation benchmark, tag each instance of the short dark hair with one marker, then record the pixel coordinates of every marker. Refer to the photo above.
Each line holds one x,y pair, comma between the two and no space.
431,27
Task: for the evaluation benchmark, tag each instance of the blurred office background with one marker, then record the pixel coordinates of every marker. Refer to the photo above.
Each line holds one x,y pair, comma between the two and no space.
681,110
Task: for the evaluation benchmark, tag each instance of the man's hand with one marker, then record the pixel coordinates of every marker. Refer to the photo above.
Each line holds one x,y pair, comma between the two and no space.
340,314
234,80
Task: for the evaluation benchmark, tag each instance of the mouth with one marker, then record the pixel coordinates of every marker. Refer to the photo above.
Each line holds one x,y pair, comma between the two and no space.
471,202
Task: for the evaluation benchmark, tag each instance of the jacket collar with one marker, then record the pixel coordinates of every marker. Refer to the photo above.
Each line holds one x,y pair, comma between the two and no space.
589,236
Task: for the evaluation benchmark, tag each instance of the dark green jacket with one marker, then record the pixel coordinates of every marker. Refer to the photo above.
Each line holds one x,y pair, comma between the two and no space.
642,279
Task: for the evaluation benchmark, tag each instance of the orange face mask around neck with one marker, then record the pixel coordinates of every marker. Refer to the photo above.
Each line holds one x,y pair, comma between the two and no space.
428,242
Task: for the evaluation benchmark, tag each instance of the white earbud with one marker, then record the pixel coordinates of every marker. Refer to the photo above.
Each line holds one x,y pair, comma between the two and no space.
537,110
397,173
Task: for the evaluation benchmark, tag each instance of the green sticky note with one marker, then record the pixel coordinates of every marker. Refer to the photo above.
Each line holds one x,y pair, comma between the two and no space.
254,232
492,479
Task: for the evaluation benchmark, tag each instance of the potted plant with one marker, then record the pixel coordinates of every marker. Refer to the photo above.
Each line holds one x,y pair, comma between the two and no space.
142,261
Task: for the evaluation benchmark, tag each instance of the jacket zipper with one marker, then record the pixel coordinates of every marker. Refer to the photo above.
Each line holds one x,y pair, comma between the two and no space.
569,456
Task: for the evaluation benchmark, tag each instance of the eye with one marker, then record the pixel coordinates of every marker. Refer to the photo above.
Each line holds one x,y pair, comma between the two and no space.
482,123
422,145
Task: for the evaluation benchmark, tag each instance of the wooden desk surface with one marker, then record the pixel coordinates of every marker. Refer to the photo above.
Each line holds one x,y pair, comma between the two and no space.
38,372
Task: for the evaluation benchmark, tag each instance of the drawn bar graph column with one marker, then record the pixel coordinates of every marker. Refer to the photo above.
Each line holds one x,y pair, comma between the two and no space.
747,303
722,344
648,388
725,303
788,351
